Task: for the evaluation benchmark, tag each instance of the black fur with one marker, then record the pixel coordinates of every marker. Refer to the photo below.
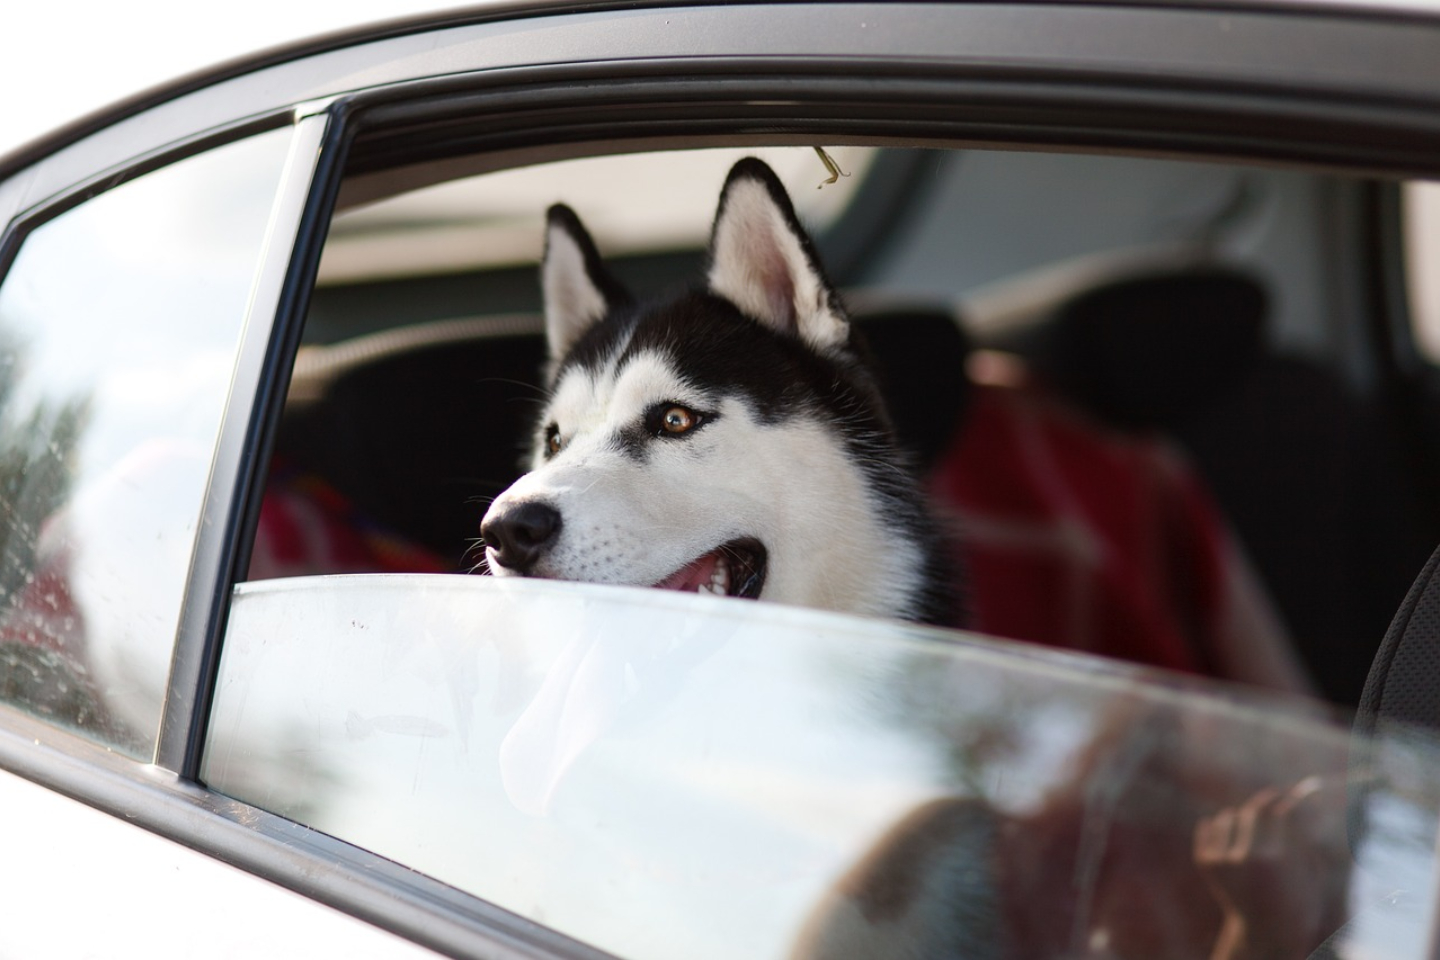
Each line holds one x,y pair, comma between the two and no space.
716,347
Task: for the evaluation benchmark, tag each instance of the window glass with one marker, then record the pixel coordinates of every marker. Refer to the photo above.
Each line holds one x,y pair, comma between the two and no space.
1422,264
119,325
666,775
1151,434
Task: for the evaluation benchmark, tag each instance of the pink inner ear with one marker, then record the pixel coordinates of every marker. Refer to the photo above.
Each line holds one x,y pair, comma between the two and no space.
776,281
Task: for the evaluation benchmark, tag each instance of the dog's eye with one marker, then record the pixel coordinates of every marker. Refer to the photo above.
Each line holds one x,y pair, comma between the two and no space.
675,419
552,440
670,420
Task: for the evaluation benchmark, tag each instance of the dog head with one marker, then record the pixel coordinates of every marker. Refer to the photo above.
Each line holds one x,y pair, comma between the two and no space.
724,441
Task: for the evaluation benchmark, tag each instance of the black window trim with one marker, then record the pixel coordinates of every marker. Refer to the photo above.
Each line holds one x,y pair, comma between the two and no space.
902,101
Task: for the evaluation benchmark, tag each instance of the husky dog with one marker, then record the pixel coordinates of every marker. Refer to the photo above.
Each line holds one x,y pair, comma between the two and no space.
731,440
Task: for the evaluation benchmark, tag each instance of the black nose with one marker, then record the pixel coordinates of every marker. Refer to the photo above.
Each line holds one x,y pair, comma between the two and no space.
520,534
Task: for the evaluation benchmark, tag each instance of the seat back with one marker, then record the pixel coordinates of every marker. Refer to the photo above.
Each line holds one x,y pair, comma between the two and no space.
919,357
421,436
1404,681
1310,475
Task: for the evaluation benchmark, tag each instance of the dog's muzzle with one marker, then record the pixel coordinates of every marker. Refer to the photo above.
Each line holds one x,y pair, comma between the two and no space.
519,535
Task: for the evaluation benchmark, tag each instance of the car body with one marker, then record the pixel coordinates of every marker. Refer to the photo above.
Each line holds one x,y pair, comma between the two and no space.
210,296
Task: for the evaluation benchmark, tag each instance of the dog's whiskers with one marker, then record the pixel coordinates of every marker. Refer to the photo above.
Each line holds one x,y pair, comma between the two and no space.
482,567
537,390
831,515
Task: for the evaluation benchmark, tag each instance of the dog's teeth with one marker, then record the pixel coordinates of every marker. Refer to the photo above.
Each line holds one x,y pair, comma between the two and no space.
720,578
711,589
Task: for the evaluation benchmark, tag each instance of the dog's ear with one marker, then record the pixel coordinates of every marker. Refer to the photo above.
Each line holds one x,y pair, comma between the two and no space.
761,260
578,291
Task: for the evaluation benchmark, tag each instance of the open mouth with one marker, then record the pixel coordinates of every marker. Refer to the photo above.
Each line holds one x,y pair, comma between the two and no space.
734,569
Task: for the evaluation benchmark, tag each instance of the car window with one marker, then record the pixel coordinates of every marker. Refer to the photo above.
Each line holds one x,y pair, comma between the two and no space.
1098,360
1421,202
665,775
1127,390
120,321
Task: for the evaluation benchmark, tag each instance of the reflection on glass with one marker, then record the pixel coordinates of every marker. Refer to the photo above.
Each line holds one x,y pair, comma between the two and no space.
666,775
119,324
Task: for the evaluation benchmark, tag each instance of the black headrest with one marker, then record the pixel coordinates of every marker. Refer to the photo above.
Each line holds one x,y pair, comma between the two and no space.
1404,681
421,440
1148,351
920,359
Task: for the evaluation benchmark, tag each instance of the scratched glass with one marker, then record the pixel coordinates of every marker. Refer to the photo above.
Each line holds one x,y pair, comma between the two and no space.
670,775
120,324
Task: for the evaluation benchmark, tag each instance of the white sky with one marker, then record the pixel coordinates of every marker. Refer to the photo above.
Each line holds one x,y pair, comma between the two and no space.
61,60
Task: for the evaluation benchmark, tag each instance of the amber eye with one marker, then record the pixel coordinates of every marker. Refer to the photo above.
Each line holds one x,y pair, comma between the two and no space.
670,420
552,440
677,419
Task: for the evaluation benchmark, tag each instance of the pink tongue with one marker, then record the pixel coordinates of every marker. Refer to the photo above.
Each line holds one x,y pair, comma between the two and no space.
693,576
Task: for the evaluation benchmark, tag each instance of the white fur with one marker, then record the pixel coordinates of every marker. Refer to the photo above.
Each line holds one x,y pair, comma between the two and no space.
759,265
573,302
790,485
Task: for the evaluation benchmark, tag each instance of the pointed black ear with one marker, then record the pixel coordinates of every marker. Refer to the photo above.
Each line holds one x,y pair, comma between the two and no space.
762,261
578,291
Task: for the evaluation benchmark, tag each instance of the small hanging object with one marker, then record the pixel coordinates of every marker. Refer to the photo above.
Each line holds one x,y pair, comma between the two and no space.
831,166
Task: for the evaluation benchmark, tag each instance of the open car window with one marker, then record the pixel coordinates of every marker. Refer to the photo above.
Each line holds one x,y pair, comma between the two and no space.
1097,361
661,775
1176,512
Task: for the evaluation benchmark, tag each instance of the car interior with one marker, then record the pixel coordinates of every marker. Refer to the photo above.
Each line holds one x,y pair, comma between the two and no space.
1166,407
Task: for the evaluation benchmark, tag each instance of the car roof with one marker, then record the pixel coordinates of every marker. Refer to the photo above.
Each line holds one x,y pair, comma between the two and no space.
410,23
1366,66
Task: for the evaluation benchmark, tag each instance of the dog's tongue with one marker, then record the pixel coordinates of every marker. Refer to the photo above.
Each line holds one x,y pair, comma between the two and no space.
692,576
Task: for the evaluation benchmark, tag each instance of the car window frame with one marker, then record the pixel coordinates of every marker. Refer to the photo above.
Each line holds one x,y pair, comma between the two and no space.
165,796
398,84
279,277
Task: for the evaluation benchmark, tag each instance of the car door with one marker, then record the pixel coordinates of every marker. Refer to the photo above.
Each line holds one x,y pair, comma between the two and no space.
370,714
129,309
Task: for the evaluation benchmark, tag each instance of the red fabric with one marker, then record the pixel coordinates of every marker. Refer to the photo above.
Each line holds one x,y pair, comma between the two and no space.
1078,537
45,613
307,527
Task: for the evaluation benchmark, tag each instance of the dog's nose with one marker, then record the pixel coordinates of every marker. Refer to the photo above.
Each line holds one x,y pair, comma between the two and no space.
520,533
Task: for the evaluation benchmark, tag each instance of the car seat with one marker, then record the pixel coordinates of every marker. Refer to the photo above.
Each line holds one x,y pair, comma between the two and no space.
421,427
919,356
1399,701
1070,533
1403,685
1308,473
